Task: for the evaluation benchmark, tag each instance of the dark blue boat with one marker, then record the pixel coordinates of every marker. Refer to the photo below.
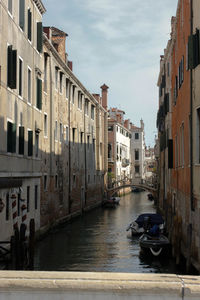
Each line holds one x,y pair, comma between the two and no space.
146,221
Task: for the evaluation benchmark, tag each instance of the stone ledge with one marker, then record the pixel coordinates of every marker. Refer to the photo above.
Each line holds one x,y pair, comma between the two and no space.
148,286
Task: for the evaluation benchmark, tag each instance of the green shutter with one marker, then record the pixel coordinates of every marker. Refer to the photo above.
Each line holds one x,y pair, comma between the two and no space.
21,13
13,138
9,66
21,140
9,136
30,143
14,70
39,93
29,24
170,154
39,36
190,52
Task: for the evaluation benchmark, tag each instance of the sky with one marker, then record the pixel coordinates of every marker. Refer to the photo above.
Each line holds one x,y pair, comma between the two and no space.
118,43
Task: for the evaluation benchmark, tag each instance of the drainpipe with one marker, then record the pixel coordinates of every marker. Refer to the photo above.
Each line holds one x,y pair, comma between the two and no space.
69,151
85,155
191,118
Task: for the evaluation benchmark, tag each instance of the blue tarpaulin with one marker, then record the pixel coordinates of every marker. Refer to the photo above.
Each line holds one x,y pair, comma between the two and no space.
153,219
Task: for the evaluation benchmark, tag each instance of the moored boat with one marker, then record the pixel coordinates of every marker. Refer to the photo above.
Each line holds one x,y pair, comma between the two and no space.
154,244
143,220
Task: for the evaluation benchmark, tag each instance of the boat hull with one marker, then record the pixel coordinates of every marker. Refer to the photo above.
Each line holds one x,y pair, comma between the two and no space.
154,245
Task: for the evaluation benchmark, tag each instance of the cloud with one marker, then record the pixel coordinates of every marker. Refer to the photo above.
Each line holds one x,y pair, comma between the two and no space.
119,43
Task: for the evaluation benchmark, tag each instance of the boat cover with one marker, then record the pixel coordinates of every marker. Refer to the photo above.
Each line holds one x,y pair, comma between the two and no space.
154,219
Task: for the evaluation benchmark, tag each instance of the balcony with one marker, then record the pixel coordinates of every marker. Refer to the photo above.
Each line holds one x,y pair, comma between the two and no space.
125,162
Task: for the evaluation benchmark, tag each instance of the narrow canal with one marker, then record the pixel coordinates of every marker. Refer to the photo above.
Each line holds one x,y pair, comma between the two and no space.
99,242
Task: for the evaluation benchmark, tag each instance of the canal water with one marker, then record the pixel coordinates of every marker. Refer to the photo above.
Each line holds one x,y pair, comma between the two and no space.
99,242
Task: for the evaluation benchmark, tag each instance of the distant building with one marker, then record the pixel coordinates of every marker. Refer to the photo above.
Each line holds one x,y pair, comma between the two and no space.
137,153
118,146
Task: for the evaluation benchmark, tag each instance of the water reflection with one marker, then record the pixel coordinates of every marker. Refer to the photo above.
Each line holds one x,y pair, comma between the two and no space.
99,242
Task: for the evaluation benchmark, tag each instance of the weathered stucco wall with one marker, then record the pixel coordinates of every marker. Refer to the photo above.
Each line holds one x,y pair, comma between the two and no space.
85,286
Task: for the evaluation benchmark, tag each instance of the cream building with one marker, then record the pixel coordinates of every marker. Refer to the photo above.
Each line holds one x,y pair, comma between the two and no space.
20,111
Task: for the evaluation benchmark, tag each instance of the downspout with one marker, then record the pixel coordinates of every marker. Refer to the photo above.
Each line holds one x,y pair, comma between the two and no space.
69,152
85,154
51,117
191,118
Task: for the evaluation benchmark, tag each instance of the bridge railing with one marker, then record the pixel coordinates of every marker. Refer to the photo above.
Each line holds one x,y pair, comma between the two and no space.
15,285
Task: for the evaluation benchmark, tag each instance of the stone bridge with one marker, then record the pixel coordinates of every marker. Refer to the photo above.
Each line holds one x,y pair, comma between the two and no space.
145,186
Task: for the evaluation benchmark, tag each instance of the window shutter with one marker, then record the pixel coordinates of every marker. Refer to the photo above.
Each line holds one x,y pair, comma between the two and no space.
29,24
39,93
30,143
39,36
14,70
21,140
9,137
21,14
9,66
13,138
170,154
191,52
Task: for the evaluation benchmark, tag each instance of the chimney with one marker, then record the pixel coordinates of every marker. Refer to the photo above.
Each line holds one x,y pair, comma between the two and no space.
70,65
142,124
58,39
127,124
104,91
97,97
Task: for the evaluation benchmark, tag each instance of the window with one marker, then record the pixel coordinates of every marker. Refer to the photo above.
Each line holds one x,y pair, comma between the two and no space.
7,207
21,140
29,85
45,125
11,68
29,24
81,138
56,78
45,182
36,196
181,72
93,144
86,107
36,144
136,154
73,135
45,72
198,135
56,130
10,6
61,132
67,88
21,13
30,143
136,136
182,145
137,169
101,149
74,181
92,112
109,151
73,93
11,137
80,100
61,77
39,94
20,76
67,135
28,198
39,36
110,128
88,141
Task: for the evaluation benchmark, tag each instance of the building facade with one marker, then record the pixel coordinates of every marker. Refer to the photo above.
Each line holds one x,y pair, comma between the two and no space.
179,135
137,153
53,151
118,146
20,112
